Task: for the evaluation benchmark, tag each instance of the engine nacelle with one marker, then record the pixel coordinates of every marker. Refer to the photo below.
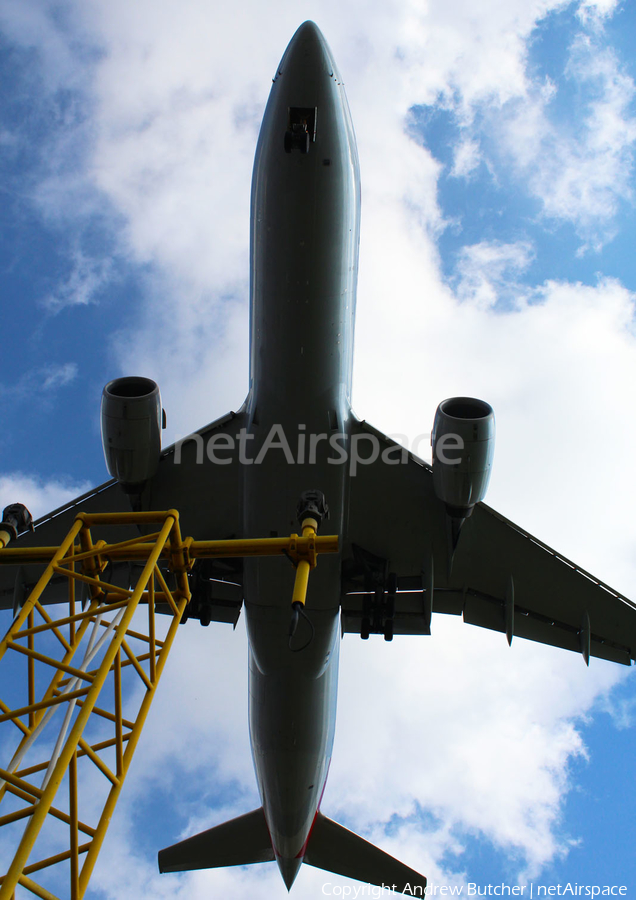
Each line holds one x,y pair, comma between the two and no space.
132,419
463,441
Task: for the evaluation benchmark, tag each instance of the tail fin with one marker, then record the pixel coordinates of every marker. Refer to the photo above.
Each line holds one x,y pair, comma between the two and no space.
238,842
336,849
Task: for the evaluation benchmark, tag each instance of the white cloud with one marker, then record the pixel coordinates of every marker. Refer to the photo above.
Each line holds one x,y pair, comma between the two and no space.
589,177
495,749
489,273
8,138
88,277
38,495
38,385
581,171
47,34
194,344
58,376
595,12
467,158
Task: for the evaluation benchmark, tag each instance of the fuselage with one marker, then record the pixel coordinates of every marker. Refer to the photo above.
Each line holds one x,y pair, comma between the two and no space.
304,250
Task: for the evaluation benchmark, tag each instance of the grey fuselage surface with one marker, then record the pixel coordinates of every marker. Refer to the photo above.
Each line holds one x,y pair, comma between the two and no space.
304,250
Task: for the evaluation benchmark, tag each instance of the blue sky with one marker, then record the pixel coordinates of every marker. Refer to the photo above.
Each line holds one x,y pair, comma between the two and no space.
497,159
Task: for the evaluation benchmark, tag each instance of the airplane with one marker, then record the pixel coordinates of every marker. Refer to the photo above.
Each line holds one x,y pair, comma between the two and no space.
415,539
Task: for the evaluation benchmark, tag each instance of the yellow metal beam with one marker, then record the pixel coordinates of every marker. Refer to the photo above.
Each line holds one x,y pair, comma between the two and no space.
306,555
292,546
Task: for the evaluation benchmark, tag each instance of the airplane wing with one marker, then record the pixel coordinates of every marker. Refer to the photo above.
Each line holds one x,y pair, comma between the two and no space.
398,569
208,497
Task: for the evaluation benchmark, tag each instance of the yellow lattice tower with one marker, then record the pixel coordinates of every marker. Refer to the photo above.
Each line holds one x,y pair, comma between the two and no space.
97,645
73,659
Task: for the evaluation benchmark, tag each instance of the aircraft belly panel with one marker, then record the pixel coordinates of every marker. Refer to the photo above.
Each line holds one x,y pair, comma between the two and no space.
304,246
292,722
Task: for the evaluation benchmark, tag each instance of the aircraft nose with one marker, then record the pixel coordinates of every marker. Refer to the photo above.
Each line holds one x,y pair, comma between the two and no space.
307,51
308,32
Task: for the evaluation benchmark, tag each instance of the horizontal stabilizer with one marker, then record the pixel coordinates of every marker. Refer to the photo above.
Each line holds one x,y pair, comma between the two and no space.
336,849
238,842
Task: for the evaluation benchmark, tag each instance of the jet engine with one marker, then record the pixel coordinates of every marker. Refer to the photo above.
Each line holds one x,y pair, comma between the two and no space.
463,441
132,419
